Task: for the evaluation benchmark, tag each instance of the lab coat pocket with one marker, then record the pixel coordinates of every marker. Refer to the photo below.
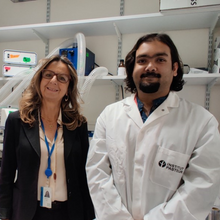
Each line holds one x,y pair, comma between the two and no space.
168,168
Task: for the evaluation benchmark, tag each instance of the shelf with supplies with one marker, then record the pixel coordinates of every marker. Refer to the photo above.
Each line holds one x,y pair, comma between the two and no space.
190,79
127,24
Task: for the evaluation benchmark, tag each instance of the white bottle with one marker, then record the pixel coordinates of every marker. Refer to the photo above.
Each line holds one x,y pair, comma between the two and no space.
121,68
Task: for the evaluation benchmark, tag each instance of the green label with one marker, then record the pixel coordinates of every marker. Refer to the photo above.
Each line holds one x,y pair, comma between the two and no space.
27,59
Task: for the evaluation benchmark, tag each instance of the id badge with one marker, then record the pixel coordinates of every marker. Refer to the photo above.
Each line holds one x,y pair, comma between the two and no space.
45,198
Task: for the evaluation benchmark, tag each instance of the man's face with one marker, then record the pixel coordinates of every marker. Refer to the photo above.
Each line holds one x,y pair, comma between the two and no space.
153,71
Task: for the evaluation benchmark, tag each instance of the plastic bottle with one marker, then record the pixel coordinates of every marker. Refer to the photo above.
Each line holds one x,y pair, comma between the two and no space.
121,68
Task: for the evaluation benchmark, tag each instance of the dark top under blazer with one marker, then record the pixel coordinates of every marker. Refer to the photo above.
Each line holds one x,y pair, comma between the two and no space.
18,200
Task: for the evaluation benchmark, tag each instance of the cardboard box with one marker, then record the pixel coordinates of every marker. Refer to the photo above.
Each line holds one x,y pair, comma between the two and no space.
179,4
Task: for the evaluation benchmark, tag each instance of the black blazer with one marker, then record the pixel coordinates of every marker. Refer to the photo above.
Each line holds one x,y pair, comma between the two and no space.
21,152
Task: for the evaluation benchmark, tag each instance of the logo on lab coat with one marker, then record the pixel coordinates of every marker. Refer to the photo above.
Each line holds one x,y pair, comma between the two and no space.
171,167
162,163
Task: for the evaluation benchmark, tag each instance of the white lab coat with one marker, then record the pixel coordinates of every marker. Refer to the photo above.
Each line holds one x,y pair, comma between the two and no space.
165,168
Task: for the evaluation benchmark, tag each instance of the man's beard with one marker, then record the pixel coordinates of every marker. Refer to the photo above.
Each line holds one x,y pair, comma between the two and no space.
150,87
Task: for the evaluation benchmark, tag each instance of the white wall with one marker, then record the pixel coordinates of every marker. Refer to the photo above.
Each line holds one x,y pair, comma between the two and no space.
22,13
35,11
192,44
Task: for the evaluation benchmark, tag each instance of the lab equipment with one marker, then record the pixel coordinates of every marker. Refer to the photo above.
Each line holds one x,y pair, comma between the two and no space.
72,55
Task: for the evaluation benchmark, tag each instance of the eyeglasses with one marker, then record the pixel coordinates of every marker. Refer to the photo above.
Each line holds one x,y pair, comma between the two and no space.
48,74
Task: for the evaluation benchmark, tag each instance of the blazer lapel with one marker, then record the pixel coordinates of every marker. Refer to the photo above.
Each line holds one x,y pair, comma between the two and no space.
68,137
32,134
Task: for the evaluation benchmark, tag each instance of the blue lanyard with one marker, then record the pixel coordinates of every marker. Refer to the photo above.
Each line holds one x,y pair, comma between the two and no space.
48,171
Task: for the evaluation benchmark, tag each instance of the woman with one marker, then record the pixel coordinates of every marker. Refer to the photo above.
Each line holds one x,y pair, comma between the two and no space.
46,142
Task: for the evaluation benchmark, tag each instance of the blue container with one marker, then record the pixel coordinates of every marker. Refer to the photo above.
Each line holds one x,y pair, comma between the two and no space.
71,54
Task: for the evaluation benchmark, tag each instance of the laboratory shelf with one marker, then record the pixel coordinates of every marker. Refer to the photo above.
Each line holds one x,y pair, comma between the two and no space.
127,24
190,79
201,79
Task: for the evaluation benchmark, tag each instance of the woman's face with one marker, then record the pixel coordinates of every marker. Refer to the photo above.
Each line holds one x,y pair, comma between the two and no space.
53,90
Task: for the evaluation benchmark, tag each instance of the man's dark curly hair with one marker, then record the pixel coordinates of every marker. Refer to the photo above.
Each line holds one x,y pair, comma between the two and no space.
177,83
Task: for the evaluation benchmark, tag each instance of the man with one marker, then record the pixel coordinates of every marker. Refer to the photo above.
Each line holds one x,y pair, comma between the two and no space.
154,156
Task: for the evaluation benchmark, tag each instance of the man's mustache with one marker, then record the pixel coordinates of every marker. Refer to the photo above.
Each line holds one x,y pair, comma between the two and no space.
152,74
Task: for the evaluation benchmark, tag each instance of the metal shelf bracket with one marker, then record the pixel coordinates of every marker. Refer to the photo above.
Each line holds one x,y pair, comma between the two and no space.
45,41
210,50
117,96
208,91
119,35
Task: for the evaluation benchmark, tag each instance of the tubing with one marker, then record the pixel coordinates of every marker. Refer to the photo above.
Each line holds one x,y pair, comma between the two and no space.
7,96
22,79
81,58
99,71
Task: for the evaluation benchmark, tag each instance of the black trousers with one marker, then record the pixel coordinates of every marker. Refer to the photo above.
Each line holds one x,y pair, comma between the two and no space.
59,211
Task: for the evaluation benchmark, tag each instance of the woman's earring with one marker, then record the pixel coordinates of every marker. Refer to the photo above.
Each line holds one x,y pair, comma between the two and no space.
66,98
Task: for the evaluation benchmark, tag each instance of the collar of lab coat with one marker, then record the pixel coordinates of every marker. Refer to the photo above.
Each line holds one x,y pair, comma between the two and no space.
132,111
